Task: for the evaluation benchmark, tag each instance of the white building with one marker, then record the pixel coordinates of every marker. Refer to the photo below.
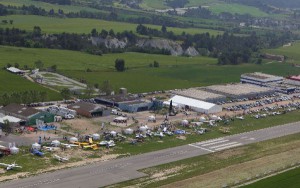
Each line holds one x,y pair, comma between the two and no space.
260,79
194,104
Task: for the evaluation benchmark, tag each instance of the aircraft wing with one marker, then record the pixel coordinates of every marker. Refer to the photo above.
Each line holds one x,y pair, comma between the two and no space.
3,164
17,167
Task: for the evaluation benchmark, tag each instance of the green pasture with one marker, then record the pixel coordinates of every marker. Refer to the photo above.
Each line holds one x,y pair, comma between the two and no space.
289,179
14,83
292,52
153,4
84,25
237,8
174,72
47,6
194,3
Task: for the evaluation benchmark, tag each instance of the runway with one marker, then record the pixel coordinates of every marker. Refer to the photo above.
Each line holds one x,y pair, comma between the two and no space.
109,172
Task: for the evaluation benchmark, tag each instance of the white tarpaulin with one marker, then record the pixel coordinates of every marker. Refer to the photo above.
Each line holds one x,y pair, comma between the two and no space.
196,105
11,119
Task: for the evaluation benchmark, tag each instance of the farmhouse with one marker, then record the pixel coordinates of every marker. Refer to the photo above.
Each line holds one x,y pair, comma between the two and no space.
194,104
28,114
198,94
128,103
239,91
89,109
260,79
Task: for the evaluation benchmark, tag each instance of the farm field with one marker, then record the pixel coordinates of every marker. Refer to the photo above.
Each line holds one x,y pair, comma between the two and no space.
237,8
84,25
174,72
13,83
289,179
153,4
47,6
292,52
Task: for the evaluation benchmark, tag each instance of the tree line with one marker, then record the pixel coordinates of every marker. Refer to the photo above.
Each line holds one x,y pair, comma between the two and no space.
109,13
229,48
25,97
60,2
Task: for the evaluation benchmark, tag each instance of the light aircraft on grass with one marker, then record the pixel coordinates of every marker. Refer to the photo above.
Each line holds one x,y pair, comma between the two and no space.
10,166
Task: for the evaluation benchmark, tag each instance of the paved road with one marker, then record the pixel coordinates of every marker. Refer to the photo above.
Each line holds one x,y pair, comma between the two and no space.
110,172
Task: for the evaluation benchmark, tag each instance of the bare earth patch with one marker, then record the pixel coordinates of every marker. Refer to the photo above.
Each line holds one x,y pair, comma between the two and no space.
14,176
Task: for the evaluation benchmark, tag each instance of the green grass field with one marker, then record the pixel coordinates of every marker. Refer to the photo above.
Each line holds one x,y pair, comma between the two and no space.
14,83
153,4
237,8
174,72
289,179
83,25
47,6
292,52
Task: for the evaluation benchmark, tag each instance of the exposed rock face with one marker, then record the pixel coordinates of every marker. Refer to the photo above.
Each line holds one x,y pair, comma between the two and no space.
111,43
174,47
191,51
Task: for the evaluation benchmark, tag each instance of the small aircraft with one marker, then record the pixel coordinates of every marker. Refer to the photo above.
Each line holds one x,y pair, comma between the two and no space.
10,166
61,159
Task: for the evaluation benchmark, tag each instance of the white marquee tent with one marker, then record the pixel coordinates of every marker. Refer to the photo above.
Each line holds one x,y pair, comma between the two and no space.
194,104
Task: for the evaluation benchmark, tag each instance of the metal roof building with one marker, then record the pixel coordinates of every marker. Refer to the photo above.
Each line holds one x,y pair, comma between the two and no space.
200,95
239,90
260,79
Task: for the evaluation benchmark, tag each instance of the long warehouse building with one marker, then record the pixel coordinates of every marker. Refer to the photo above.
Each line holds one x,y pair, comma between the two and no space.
194,104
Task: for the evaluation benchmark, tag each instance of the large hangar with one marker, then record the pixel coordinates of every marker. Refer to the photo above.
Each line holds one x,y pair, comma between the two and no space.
260,79
238,91
194,104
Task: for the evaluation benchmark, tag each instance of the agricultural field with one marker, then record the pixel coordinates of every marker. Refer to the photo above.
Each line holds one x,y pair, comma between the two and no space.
292,52
153,4
174,72
84,25
14,83
47,6
237,9
194,3
289,179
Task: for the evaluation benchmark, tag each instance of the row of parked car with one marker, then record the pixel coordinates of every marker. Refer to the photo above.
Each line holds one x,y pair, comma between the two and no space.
258,103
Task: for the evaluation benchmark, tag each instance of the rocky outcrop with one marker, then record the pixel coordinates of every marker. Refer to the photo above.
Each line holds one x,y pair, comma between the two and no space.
169,45
111,43
163,44
191,51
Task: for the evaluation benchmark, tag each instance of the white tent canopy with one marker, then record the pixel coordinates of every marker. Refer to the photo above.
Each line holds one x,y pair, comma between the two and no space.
196,105
11,119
